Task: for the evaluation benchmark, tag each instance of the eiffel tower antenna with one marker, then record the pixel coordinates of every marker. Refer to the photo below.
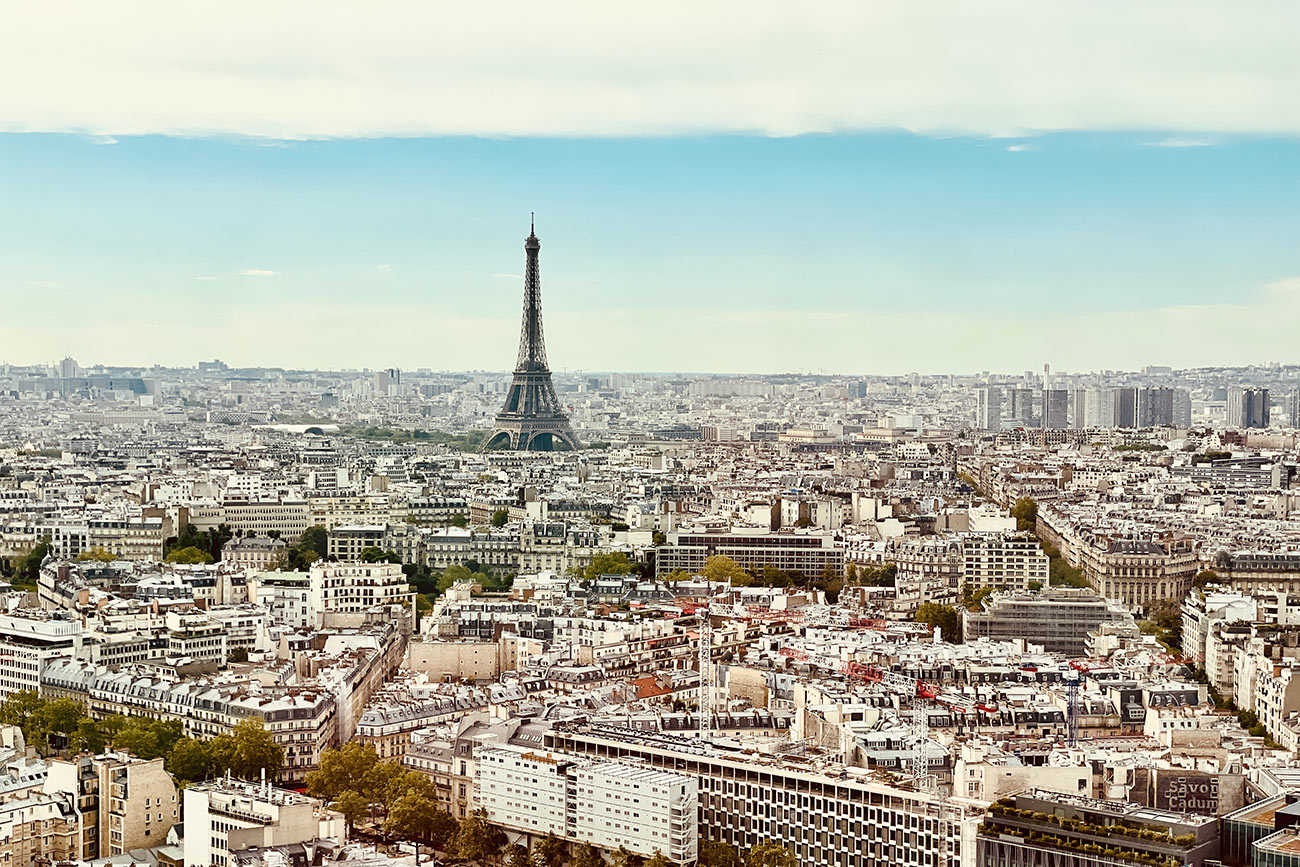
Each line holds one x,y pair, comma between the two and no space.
531,418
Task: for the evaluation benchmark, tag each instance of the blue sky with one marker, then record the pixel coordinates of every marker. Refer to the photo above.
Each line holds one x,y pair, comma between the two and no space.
777,236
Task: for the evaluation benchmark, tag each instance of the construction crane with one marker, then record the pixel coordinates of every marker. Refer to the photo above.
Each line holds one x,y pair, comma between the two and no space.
706,671
1072,712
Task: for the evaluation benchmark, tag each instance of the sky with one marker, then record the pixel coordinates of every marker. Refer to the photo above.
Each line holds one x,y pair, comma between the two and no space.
856,187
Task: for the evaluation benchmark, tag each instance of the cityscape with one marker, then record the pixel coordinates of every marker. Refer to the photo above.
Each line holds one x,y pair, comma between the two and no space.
906,470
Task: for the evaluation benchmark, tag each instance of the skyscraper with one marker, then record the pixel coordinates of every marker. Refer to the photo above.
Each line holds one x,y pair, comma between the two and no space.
1248,407
1056,408
532,419
988,408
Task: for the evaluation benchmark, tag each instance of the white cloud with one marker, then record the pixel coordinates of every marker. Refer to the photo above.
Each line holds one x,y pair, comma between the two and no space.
1021,148
44,284
1176,142
589,67
384,268
257,272
103,139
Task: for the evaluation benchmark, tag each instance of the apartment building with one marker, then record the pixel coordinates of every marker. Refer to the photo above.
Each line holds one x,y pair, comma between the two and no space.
28,642
37,829
347,541
1006,561
1087,832
828,817
302,719
193,634
129,538
226,817
286,596
1059,618
356,588
806,553
607,804
286,518
122,802
252,552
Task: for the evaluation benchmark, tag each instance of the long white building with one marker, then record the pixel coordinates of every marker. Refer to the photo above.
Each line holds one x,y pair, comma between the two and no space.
607,804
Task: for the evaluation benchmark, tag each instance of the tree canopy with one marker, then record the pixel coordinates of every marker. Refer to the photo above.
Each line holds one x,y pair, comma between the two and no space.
770,855
942,617
1025,511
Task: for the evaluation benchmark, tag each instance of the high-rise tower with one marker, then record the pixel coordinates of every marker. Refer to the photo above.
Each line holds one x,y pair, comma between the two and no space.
532,419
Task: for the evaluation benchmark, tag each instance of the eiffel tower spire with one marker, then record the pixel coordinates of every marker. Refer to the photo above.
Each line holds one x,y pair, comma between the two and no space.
532,418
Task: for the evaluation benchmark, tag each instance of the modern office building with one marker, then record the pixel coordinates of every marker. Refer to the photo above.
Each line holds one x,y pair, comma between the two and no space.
1248,407
29,643
1155,407
607,804
988,408
1058,618
1077,831
1056,408
806,553
225,817
828,816
1007,561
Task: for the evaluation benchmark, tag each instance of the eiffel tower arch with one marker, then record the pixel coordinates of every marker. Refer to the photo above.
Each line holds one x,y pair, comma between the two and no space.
531,418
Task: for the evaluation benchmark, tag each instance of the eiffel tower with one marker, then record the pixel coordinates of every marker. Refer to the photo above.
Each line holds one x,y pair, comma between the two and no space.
531,419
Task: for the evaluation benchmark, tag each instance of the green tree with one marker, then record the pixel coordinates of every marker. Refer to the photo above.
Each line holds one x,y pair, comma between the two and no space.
623,857
459,520
1025,511
191,555
63,715
770,855
23,709
237,654
248,750
610,563
27,567
715,854
88,738
148,738
410,818
393,781
942,617
422,606
719,567
371,554
517,856
551,851
98,555
587,855
500,518
315,537
479,840
348,768
353,806
190,760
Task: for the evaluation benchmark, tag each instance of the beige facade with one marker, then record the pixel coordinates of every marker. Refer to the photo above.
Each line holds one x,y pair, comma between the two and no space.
455,660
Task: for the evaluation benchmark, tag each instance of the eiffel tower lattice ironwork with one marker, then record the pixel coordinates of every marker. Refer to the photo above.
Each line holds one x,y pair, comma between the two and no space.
532,418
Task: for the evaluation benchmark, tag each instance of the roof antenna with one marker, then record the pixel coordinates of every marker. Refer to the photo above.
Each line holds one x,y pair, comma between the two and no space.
532,222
